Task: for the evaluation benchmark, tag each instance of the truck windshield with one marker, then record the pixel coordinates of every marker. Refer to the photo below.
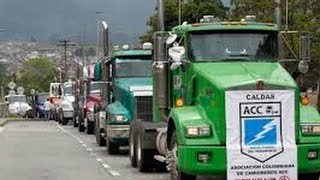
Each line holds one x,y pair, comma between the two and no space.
42,97
95,87
233,45
133,69
68,90
13,99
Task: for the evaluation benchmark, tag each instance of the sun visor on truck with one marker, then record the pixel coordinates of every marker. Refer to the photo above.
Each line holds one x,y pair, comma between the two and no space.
97,71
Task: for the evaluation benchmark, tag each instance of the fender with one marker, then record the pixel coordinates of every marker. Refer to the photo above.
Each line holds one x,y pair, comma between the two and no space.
180,118
308,114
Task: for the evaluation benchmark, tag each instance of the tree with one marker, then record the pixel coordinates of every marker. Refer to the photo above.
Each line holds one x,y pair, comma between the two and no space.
37,74
303,16
191,11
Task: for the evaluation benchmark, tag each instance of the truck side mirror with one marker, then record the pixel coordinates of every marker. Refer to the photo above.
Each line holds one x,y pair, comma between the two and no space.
176,53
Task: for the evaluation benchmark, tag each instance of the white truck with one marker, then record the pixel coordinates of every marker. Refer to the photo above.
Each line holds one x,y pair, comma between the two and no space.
66,105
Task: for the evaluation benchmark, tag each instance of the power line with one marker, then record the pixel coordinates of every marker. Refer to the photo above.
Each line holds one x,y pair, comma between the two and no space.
65,44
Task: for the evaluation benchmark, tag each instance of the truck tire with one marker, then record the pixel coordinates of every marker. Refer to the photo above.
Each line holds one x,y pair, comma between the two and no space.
145,157
74,119
99,139
81,127
175,173
313,176
60,117
132,145
112,148
90,127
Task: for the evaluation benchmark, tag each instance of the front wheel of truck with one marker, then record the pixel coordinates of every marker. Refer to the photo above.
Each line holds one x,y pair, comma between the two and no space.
175,173
81,127
313,176
112,148
132,146
90,127
74,119
99,139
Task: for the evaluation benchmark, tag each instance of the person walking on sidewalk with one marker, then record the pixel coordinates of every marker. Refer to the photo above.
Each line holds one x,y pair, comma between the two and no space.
47,109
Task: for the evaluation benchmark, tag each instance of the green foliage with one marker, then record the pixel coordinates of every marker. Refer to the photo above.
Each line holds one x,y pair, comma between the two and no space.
303,16
37,74
191,11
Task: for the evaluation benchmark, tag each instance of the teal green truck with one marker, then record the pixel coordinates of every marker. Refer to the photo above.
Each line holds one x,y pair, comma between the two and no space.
130,92
223,105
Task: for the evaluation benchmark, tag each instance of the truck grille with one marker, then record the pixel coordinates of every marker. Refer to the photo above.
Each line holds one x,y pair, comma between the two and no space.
143,106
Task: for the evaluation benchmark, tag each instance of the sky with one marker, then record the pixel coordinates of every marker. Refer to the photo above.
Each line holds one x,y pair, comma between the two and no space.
48,20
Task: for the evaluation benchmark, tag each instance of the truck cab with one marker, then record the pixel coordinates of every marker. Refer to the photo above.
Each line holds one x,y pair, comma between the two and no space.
229,107
66,106
130,91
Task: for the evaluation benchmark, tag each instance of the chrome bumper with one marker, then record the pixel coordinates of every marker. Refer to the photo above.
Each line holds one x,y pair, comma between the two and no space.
118,131
68,114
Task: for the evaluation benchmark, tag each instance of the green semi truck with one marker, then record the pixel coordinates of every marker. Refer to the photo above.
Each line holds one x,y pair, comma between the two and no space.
223,105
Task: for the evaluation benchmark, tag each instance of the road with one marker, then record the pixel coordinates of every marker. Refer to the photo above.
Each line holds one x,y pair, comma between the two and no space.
38,150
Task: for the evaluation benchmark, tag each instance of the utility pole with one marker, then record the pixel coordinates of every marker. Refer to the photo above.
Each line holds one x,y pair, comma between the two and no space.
65,44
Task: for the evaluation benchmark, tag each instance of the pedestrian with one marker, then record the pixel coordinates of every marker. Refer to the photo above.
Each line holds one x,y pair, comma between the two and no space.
47,109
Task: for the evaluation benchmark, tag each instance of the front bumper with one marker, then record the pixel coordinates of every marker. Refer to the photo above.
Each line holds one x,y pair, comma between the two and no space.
118,132
68,114
90,116
217,163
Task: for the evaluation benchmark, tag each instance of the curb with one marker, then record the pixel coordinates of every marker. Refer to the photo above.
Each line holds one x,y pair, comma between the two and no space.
3,122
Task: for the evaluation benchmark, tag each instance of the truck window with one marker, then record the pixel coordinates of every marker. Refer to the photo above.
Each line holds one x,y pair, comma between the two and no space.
68,90
133,69
13,99
233,45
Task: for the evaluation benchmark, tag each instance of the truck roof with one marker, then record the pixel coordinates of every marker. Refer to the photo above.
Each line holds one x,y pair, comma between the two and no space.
225,25
131,53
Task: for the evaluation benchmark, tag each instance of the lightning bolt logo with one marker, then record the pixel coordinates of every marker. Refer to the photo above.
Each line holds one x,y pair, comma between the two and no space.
268,127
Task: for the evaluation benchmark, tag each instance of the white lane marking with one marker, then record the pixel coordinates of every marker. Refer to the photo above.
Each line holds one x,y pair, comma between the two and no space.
114,173
1,129
106,166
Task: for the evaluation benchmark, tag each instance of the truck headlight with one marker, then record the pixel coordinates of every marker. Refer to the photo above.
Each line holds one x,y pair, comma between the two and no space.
310,129
118,118
198,131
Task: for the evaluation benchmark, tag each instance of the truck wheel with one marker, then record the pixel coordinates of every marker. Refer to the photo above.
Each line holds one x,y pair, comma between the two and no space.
132,147
90,127
313,176
81,127
175,173
112,148
59,117
74,119
99,139
145,157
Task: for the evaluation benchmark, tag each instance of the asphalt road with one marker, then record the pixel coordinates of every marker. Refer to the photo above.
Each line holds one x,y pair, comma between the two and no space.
40,150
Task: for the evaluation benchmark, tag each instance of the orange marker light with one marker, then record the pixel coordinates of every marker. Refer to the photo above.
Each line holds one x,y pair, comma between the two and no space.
305,100
179,102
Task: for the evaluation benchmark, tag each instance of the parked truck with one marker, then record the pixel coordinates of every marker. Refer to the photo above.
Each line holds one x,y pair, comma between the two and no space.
66,105
130,91
223,105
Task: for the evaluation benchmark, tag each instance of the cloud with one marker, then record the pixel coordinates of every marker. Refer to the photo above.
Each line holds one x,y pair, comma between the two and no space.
46,18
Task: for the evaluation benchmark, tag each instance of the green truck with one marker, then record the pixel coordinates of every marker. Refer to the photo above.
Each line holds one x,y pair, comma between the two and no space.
129,90
223,105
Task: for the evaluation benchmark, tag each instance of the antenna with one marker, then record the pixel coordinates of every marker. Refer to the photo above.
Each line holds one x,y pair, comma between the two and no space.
179,12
